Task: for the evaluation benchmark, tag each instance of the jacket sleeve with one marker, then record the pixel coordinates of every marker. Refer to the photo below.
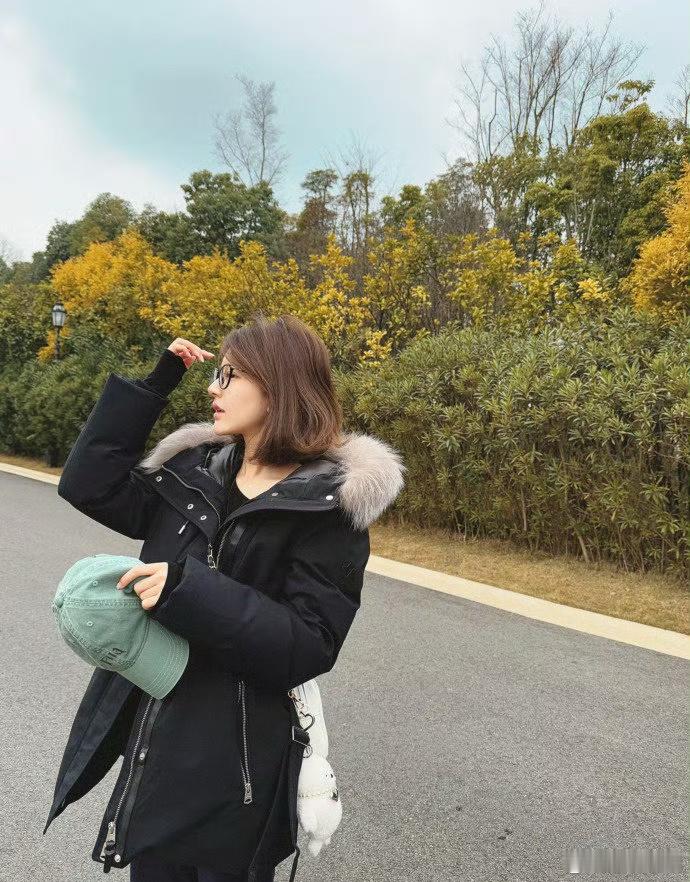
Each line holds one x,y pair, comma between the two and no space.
275,643
99,477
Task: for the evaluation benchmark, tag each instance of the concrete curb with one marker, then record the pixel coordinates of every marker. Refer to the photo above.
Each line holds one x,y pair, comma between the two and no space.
622,630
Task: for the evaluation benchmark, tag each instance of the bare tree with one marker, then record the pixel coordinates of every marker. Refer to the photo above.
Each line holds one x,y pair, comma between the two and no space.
679,102
549,85
247,140
356,166
8,253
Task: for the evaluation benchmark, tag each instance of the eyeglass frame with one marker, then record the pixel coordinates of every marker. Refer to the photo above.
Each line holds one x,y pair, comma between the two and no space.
225,370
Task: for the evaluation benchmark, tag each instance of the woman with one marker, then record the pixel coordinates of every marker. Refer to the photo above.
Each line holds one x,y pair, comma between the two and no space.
255,530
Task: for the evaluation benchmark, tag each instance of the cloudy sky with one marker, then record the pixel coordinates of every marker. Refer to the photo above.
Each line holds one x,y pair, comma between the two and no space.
121,96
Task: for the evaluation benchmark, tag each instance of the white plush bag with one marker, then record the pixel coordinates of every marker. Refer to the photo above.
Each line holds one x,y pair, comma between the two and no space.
319,808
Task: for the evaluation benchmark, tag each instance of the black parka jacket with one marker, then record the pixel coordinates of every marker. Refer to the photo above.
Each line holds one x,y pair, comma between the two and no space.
265,598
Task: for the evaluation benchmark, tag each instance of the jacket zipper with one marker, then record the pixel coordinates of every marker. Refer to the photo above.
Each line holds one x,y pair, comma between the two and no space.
241,687
245,770
209,552
225,536
110,842
212,564
209,555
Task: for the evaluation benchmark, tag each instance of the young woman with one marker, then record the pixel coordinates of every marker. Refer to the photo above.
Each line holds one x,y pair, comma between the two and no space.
255,530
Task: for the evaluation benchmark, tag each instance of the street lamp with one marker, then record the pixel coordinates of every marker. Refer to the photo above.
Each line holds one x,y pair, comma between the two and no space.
59,315
59,318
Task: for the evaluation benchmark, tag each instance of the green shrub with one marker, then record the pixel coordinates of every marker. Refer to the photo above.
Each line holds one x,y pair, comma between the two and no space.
571,441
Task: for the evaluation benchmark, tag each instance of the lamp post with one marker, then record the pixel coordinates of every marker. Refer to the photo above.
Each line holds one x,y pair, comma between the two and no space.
59,318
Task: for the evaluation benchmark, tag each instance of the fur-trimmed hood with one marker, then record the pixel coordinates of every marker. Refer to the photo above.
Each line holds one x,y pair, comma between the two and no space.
368,472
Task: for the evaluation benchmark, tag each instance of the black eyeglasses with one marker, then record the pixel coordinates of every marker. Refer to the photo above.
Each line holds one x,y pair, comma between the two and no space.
223,375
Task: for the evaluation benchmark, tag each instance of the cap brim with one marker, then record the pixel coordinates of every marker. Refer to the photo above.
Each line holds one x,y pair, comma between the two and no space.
161,661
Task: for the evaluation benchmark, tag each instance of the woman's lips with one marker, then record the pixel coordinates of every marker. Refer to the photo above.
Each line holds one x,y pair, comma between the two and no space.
217,413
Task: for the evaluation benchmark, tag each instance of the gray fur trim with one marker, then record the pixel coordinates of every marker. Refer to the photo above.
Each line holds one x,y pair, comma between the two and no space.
369,469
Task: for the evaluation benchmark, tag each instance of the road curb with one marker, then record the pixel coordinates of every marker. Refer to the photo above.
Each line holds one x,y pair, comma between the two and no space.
597,624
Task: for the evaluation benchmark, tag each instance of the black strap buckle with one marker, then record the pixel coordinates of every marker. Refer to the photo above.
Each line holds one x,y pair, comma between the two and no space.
301,735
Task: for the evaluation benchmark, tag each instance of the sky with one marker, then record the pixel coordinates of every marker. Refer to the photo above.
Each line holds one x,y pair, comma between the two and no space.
121,97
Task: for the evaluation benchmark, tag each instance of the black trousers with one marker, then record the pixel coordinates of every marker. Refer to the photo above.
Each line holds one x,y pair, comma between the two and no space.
148,869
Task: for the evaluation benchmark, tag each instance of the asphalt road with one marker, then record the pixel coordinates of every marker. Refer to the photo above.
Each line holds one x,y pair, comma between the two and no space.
468,743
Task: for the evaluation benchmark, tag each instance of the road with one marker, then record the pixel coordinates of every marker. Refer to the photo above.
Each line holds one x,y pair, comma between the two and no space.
468,743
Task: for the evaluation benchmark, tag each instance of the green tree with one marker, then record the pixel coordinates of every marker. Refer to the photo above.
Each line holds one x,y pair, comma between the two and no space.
223,211
103,221
617,175
170,234
317,218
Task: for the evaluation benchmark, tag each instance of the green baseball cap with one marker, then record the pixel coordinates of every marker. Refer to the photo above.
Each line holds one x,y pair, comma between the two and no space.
109,628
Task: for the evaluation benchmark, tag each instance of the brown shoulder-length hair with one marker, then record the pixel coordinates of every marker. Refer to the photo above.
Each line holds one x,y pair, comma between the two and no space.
292,366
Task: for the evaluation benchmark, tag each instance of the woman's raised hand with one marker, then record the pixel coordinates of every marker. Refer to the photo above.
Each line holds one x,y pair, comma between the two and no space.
189,352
